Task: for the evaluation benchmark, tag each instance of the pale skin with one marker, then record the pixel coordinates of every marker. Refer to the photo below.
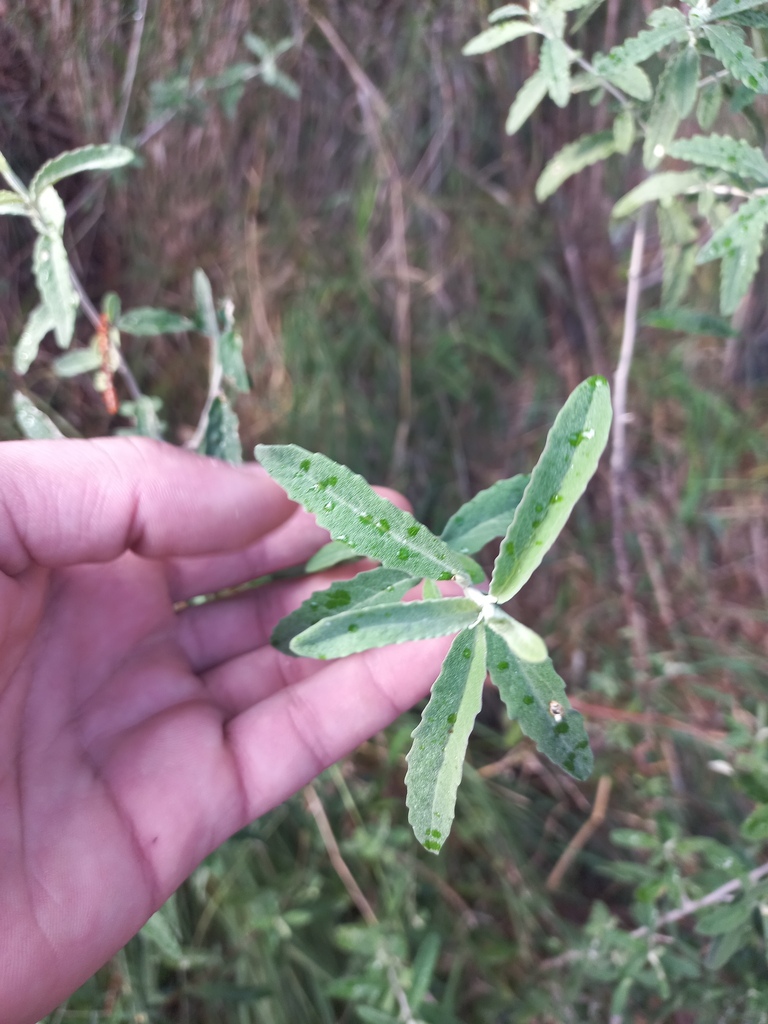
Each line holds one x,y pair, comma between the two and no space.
136,737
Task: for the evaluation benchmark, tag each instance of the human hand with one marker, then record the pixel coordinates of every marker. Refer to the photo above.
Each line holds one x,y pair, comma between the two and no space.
134,738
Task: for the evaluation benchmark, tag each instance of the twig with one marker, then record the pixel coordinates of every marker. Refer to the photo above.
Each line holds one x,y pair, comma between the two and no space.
650,720
585,833
349,882
131,65
215,375
618,462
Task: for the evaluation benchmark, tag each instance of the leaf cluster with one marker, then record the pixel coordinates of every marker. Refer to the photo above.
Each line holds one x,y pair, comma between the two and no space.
368,611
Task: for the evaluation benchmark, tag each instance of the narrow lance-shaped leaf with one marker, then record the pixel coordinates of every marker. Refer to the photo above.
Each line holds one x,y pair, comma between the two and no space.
145,321
486,516
570,457
522,641
534,695
82,360
689,321
32,422
51,268
206,310
373,587
335,552
346,505
573,158
496,36
734,156
668,29
724,8
436,759
740,266
737,231
531,93
555,64
658,186
222,433
685,80
664,118
507,11
737,57
10,203
708,106
380,625
87,158
630,78
39,322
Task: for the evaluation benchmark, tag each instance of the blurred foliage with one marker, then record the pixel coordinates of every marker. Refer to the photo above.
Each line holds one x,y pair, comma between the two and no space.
407,307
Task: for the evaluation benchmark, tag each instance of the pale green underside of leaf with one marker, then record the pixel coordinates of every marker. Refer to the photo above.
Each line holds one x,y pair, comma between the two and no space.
39,322
570,457
739,268
486,516
527,691
724,8
436,759
87,158
522,641
507,11
51,211
222,433
623,131
82,360
380,625
10,203
496,36
346,505
554,64
145,321
206,310
708,107
531,93
573,158
734,156
741,228
684,82
230,352
335,552
737,57
663,118
642,46
658,187
51,269
145,412
33,423
367,588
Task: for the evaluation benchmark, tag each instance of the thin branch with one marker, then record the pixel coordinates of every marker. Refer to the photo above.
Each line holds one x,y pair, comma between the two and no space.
131,65
618,463
585,833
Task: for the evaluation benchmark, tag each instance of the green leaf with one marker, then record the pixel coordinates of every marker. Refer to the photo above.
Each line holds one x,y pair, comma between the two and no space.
146,413
689,321
49,214
146,321
222,433
380,625
634,839
708,107
663,118
346,505
436,759
534,695
33,423
623,131
735,156
532,92
725,8
423,970
507,11
685,80
430,590
755,828
738,268
87,158
335,552
10,203
51,269
726,946
11,178
570,457
486,516
206,310
82,360
522,641
658,187
110,306
555,64
231,356
724,918
737,230
670,28
630,78
373,587
737,57
573,158
39,322
496,36
751,19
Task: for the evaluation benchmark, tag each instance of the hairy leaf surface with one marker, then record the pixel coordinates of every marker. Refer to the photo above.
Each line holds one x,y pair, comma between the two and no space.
436,759
573,158
735,156
39,322
486,516
658,186
367,588
530,95
51,269
521,640
528,691
570,457
146,320
737,57
10,203
86,158
380,625
347,505
496,36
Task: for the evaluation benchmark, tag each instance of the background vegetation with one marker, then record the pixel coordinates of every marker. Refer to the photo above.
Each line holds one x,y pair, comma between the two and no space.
410,309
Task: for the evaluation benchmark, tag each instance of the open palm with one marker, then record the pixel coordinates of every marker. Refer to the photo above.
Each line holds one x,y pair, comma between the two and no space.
134,737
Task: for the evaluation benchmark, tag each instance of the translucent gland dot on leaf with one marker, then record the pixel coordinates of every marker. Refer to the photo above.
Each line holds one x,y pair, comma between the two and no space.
305,465
582,745
509,547
383,526
445,576
538,507
536,523
466,653
430,844
366,520
352,627
555,499
436,834
569,763
562,727
451,719
503,665
403,554
527,699
329,506
412,531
